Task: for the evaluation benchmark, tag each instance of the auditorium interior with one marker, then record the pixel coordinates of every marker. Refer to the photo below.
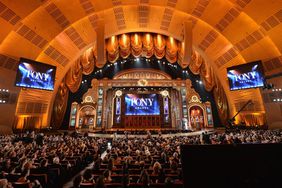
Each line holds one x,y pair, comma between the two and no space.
140,93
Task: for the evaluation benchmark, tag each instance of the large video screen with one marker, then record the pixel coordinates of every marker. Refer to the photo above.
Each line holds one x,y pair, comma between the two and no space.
142,104
246,76
33,74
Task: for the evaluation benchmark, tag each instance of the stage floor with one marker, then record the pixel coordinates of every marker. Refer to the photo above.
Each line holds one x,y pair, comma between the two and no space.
104,135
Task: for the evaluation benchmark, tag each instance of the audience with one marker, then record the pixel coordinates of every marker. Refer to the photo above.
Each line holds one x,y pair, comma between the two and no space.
148,159
144,178
88,176
77,181
48,163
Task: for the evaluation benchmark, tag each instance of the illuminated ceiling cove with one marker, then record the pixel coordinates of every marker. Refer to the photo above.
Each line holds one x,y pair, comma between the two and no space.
224,32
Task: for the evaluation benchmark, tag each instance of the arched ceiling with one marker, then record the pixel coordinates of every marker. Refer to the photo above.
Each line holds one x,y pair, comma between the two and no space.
225,32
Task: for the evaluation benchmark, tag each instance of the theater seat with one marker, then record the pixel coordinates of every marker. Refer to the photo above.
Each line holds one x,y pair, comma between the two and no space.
155,185
42,178
21,185
87,185
135,185
113,185
13,177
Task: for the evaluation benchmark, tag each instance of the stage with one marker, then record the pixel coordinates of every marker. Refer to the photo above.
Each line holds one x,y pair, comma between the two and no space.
141,99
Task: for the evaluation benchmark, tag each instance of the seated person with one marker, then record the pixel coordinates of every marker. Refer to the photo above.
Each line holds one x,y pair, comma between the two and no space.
144,178
100,182
107,176
23,179
88,177
76,182
5,184
43,169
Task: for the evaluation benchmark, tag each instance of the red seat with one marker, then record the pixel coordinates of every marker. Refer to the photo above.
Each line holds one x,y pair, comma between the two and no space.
21,185
113,185
42,178
87,185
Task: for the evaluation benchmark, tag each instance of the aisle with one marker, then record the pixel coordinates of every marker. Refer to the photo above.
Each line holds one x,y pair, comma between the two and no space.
70,183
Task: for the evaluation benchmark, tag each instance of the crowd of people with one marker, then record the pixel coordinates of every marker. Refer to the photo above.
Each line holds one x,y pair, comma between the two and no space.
50,160
30,160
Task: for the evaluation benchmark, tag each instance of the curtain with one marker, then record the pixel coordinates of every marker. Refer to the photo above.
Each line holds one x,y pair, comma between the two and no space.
147,45
253,119
221,102
60,105
124,46
196,63
171,50
28,122
136,44
159,46
207,76
88,60
139,44
74,76
112,47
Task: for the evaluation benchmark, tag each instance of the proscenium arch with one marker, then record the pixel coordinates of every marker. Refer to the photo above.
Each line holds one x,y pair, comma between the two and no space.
138,70
50,109
54,94
161,7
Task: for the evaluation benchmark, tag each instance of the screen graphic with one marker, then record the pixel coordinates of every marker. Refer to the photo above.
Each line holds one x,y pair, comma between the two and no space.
245,76
32,74
142,104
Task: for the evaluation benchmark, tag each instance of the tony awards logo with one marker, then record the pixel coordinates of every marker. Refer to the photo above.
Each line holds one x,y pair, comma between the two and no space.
37,76
141,103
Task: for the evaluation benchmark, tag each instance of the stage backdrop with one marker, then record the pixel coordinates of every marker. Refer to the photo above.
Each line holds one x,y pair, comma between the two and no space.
142,104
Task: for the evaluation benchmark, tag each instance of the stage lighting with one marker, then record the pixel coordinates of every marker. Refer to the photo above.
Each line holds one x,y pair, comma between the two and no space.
164,93
268,86
118,93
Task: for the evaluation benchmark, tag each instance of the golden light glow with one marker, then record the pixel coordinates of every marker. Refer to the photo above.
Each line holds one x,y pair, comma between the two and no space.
148,37
136,38
124,38
159,40
171,40
113,39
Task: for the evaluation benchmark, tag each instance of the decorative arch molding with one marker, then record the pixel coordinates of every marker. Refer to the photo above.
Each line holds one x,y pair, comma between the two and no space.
188,14
238,5
86,109
142,74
